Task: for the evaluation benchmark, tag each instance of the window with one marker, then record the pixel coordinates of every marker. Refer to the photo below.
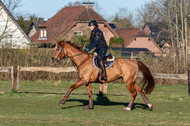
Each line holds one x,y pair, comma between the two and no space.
78,33
43,34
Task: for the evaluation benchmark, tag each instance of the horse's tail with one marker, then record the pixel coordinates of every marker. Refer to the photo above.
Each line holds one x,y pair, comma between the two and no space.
148,79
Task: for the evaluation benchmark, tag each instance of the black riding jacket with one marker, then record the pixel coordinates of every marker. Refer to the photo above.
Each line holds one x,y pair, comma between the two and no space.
97,40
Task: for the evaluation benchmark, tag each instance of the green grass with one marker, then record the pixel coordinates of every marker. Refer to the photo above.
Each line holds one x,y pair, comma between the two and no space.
37,104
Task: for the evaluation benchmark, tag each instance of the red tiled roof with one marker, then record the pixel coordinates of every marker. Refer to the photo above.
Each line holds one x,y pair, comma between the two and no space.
141,33
129,33
64,20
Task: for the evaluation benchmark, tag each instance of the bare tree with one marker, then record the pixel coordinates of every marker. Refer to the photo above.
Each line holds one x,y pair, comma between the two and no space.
71,4
12,4
174,14
148,13
178,11
124,18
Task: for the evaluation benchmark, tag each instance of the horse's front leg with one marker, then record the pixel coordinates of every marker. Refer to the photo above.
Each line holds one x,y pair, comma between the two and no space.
79,83
89,89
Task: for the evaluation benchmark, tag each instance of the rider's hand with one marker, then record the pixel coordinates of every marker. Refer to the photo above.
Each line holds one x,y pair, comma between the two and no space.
86,49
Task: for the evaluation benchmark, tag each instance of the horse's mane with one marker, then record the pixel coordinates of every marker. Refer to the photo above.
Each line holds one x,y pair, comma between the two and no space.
76,46
70,43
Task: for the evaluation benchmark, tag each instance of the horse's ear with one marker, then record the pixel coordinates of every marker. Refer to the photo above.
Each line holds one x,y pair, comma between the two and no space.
60,42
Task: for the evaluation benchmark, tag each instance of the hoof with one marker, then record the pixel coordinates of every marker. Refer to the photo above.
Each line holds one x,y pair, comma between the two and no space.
150,106
88,107
61,103
127,109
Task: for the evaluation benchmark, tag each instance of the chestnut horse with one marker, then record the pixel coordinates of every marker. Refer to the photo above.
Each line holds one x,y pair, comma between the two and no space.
88,73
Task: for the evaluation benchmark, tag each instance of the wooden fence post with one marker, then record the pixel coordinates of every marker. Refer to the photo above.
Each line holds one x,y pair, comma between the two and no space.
103,89
15,78
189,81
131,55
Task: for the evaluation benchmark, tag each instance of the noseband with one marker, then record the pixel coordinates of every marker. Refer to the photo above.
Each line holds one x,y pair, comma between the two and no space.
62,50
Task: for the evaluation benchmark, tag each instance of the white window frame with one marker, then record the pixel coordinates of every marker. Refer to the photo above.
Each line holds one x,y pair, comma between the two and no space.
78,33
43,34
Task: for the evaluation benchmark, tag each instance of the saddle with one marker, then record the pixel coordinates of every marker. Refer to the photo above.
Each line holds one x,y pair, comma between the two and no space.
108,61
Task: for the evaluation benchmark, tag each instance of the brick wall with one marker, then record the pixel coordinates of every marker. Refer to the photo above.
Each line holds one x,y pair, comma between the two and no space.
145,42
83,27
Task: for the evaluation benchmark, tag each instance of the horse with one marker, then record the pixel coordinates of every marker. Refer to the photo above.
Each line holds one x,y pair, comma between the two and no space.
88,73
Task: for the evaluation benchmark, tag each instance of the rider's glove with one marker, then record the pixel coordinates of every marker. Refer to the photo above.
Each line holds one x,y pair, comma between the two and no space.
86,49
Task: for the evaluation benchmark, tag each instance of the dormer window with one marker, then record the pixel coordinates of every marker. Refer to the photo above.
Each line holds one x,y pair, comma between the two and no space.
78,33
43,34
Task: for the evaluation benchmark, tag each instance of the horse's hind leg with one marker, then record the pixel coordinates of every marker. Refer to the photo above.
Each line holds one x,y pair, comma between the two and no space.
89,89
139,89
130,86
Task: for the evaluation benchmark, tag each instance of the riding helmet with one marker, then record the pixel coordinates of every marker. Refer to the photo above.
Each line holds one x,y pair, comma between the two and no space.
93,23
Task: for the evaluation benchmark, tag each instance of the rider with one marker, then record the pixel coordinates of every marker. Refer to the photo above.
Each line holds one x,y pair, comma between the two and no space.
97,40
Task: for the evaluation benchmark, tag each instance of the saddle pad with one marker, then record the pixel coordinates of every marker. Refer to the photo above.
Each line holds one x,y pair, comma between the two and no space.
108,65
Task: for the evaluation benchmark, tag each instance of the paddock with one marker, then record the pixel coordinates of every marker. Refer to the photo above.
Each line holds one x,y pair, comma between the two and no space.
37,104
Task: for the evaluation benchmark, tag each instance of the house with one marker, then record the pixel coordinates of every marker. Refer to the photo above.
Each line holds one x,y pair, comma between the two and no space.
129,52
11,34
137,38
158,31
71,21
113,25
34,26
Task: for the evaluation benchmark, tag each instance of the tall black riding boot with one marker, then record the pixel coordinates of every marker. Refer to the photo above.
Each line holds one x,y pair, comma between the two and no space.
102,67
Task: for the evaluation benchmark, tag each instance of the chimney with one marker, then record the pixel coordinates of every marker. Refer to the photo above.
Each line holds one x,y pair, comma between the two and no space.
88,4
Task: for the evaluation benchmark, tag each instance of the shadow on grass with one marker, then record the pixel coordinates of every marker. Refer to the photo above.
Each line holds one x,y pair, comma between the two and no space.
65,93
100,100
104,101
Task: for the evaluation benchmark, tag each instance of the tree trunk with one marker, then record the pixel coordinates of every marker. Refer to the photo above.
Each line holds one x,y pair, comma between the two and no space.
182,32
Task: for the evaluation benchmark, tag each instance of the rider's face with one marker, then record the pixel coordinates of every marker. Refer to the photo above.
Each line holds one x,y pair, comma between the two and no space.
91,28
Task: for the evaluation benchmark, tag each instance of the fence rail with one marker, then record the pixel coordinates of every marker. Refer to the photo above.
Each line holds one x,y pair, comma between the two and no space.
49,69
6,69
167,76
14,70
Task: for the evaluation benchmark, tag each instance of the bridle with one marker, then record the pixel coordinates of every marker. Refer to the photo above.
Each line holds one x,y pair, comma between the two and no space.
62,50
56,59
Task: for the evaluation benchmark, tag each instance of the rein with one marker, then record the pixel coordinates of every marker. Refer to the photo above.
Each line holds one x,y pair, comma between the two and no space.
62,50
83,62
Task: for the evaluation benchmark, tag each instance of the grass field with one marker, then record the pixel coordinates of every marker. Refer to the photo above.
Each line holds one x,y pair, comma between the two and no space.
37,104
